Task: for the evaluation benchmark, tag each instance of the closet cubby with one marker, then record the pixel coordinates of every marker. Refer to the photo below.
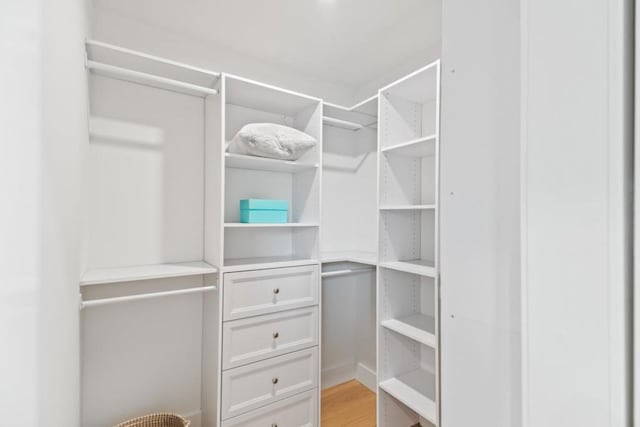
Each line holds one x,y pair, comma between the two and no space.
408,292
270,245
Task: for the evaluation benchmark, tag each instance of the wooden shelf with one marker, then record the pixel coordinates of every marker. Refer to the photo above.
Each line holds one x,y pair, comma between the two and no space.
420,147
417,266
240,161
418,327
360,257
279,225
407,207
146,272
242,264
415,389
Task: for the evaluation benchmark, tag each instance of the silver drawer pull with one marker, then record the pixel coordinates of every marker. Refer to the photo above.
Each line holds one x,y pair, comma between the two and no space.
274,380
276,291
276,334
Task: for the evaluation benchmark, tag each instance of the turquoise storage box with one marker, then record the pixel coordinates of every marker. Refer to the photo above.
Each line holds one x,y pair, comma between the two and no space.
262,211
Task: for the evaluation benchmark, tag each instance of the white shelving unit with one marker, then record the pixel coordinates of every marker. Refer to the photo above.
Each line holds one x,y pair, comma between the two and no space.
408,337
101,276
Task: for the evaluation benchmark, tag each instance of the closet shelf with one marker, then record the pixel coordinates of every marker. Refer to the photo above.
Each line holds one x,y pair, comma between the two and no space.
279,225
146,272
242,264
420,147
344,124
360,257
138,67
240,161
407,207
418,327
416,389
417,266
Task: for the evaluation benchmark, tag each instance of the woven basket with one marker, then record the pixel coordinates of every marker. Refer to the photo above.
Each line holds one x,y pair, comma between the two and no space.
157,420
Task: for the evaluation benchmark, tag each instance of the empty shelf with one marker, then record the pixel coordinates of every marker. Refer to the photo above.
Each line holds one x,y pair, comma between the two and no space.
241,264
361,257
416,389
417,266
240,161
279,225
344,124
146,272
421,147
407,207
418,327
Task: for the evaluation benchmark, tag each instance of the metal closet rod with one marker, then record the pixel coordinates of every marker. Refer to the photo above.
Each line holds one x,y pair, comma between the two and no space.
346,272
115,300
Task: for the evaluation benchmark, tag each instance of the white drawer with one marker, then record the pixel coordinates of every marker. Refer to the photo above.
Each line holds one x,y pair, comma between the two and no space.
260,337
300,410
250,293
259,384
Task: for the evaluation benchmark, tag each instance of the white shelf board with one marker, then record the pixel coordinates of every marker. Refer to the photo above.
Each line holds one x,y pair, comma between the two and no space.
420,86
417,266
242,264
419,147
343,124
259,96
240,161
139,67
407,207
146,272
418,327
267,225
416,389
360,257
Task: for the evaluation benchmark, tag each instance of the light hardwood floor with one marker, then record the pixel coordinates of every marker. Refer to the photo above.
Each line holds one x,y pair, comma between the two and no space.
348,405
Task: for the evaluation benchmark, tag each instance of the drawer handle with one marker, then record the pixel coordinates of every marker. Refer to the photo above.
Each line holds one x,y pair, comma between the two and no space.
274,380
276,291
276,334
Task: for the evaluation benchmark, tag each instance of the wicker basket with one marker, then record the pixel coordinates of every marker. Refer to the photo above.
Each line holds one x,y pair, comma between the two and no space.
157,420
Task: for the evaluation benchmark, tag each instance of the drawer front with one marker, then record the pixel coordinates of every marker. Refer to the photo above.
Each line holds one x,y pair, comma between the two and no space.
300,410
259,384
260,337
251,293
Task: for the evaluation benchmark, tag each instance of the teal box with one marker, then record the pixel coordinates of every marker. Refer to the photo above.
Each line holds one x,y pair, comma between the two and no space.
261,211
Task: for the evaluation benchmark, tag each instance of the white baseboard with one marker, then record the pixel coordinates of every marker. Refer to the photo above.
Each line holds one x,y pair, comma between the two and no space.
195,417
366,376
337,375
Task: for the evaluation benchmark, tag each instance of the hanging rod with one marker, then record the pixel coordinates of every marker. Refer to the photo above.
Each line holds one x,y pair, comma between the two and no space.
128,74
345,272
106,301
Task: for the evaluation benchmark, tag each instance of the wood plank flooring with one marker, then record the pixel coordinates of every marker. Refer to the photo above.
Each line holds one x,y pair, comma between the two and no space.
348,405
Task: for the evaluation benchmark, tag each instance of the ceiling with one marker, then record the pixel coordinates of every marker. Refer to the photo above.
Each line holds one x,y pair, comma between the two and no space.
346,42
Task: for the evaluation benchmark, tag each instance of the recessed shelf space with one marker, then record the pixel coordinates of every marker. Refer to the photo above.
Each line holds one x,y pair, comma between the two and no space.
416,390
137,67
344,124
240,161
360,257
265,225
408,181
407,239
99,276
419,147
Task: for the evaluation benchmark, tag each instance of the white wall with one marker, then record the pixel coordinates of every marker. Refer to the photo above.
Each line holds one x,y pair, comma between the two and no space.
118,29
575,173
65,140
479,249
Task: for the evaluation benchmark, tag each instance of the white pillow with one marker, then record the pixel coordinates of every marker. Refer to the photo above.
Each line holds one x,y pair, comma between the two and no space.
271,140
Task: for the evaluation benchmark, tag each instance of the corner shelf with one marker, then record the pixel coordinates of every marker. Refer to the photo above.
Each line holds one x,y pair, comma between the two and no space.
242,264
415,389
277,225
359,257
240,161
420,267
344,124
101,276
420,147
418,327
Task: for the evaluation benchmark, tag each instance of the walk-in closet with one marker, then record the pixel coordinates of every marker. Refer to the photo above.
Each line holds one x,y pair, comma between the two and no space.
262,215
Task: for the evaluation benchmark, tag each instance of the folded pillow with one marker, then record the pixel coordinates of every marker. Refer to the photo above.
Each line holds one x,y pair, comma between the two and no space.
271,140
